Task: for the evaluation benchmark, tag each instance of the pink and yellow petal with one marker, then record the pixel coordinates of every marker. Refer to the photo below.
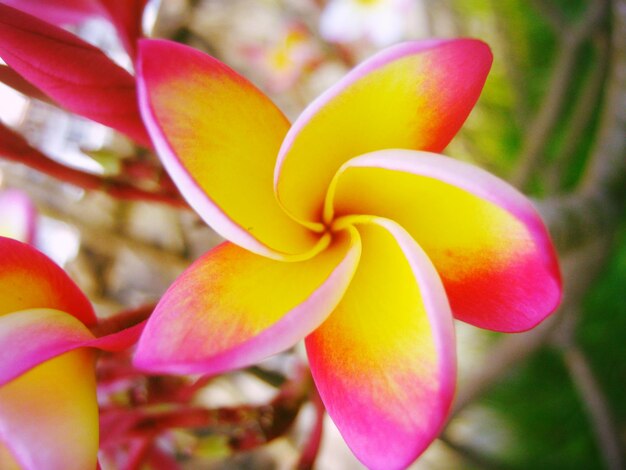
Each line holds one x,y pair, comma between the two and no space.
17,216
31,337
489,245
218,137
414,95
49,415
384,360
233,308
29,279
7,459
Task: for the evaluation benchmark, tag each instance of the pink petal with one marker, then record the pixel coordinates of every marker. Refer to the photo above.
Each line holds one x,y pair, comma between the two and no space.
72,72
486,240
57,11
384,360
14,80
233,308
31,337
29,279
414,95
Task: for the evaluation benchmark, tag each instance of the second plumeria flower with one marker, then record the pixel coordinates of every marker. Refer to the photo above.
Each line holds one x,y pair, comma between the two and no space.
380,22
48,402
344,230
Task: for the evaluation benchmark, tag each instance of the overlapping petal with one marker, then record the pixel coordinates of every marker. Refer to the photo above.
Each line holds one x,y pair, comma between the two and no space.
28,279
17,216
233,308
14,80
31,337
384,360
55,400
414,96
218,137
74,73
126,16
486,240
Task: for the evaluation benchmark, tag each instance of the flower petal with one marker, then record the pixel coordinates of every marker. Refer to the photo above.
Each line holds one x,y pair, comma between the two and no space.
414,95
14,80
384,360
17,216
489,245
56,11
77,75
218,137
31,337
29,279
233,308
49,415
127,18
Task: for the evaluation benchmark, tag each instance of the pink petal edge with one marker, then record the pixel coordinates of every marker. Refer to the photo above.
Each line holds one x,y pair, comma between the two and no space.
441,321
31,337
483,184
291,328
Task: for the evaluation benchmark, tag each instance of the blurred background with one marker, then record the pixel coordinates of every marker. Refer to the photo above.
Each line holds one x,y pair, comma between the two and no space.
551,120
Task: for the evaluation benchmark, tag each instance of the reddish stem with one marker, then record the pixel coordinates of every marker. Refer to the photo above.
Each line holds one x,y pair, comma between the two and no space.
311,449
122,320
15,148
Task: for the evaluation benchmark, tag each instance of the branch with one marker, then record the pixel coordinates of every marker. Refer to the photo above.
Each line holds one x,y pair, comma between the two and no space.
607,436
312,447
470,455
581,115
551,14
14,147
502,357
547,117
247,426
122,320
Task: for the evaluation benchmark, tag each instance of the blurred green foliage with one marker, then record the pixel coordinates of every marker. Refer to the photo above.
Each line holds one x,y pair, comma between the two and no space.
526,48
538,400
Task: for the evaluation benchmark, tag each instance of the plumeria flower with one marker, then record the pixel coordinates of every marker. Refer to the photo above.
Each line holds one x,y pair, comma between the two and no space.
381,22
48,405
125,16
283,62
345,230
17,215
